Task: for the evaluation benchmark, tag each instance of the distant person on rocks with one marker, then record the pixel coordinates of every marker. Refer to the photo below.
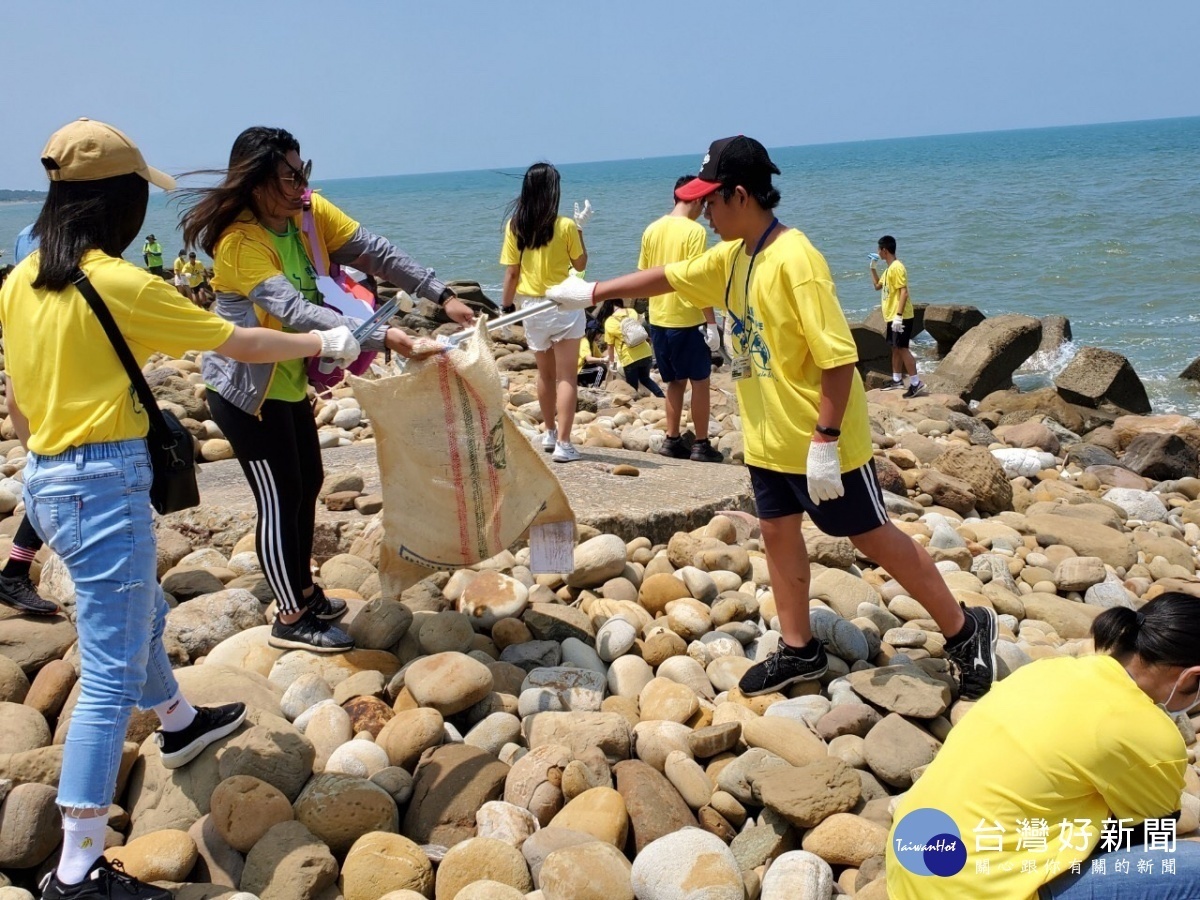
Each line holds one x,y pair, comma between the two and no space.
88,472
193,273
177,268
898,317
152,253
593,365
803,408
1070,763
540,248
263,274
635,360
684,337
26,243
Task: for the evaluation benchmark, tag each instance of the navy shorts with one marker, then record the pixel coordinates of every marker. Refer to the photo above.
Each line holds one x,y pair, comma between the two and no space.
859,510
681,353
899,341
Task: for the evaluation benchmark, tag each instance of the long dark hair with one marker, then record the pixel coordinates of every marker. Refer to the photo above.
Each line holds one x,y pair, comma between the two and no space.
536,210
79,216
1166,631
253,162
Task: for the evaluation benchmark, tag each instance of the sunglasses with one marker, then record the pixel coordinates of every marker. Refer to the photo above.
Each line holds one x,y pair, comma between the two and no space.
298,177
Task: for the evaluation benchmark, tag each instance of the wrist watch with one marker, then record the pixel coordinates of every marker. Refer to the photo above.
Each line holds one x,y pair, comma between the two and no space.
829,432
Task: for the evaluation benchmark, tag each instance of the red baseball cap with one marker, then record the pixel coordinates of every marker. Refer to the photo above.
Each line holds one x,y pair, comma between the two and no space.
730,161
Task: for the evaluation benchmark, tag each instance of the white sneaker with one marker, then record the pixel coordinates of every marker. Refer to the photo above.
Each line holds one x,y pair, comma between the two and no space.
565,452
549,439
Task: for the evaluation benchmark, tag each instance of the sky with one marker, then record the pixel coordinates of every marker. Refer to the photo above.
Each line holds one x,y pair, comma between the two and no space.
387,87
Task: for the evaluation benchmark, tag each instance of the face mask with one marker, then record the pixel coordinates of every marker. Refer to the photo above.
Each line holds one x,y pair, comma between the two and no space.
1178,712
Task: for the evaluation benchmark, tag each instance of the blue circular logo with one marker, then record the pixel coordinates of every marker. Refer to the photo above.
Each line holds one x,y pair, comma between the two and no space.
927,842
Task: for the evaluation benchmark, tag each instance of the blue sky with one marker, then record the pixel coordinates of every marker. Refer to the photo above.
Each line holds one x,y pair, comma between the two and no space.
380,88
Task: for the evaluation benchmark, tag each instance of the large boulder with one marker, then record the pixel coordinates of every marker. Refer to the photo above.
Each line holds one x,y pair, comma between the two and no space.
289,863
982,473
1161,457
205,621
984,359
874,320
451,784
1056,331
340,809
946,324
874,353
1013,407
32,642
1102,379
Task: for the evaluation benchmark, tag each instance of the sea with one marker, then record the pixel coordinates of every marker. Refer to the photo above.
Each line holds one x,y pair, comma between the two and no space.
1099,223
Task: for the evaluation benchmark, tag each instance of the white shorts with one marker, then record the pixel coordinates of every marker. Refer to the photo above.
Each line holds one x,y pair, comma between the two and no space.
547,328
180,281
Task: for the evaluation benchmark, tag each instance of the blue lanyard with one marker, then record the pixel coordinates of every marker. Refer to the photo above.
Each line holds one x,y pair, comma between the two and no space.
738,325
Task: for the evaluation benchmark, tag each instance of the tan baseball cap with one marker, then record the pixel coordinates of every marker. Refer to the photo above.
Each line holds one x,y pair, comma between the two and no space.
87,150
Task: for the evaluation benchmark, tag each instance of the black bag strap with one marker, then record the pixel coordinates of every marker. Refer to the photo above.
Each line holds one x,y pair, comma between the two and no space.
158,425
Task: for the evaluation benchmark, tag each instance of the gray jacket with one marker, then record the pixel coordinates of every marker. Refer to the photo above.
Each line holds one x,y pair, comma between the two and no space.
245,384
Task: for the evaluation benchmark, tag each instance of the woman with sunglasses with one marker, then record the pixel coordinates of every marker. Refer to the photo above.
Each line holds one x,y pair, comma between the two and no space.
263,274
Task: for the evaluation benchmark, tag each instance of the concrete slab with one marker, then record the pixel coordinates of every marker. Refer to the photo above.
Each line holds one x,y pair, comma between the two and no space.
668,495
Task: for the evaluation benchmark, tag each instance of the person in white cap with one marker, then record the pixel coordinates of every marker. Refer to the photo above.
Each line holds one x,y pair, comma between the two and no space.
88,471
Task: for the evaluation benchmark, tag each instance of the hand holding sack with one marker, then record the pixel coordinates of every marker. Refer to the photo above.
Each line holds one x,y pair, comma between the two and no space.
824,471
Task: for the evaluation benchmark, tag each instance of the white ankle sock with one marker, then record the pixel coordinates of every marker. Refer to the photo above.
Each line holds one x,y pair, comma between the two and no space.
83,842
176,714
914,380
897,377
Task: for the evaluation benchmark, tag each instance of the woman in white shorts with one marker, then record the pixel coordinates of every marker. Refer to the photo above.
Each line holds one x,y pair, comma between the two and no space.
540,247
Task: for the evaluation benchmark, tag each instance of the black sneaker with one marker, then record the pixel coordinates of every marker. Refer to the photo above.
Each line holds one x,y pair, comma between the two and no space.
783,667
324,608
211,724
893,386
18,592
916,389
975,658
309,633
104,881
704,451
673,447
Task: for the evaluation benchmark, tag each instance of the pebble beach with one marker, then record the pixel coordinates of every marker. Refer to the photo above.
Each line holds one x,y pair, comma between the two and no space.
498,735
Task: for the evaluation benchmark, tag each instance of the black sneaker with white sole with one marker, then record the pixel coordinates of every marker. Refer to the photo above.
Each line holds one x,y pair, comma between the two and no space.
18,592
975,657
324,608
915,390
893,386
212,723
785,666
309,633
104,881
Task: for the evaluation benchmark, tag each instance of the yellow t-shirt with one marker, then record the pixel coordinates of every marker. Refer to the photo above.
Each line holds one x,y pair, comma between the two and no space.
247,255
193,272
180,264
68,380
586,348
895,276
792,328
669,240
547,265
626,355
1059,743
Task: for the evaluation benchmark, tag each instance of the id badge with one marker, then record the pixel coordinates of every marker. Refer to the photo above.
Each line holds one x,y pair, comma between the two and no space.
740,367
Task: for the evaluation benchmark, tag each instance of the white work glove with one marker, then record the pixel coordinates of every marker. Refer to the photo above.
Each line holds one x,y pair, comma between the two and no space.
898,325
712,337
824,471
574,293
612,366
338,344
582,216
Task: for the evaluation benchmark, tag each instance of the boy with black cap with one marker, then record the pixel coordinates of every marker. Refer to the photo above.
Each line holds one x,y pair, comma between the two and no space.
803,407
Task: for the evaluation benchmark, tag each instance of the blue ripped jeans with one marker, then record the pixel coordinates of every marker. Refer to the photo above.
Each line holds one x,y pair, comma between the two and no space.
91,505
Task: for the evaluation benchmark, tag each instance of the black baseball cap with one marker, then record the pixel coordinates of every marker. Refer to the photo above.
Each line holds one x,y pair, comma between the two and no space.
732,160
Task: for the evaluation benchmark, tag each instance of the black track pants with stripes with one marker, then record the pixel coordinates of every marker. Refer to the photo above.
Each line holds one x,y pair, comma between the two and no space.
281,456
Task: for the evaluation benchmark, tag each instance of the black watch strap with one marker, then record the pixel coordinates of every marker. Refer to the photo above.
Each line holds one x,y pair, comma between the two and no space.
829,432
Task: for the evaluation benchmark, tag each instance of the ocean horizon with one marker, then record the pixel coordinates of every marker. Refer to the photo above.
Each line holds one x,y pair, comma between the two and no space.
1092,222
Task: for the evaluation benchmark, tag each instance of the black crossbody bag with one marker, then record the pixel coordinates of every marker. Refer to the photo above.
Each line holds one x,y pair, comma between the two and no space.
172,452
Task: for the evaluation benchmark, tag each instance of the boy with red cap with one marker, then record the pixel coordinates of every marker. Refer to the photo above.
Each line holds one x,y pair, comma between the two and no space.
803,407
